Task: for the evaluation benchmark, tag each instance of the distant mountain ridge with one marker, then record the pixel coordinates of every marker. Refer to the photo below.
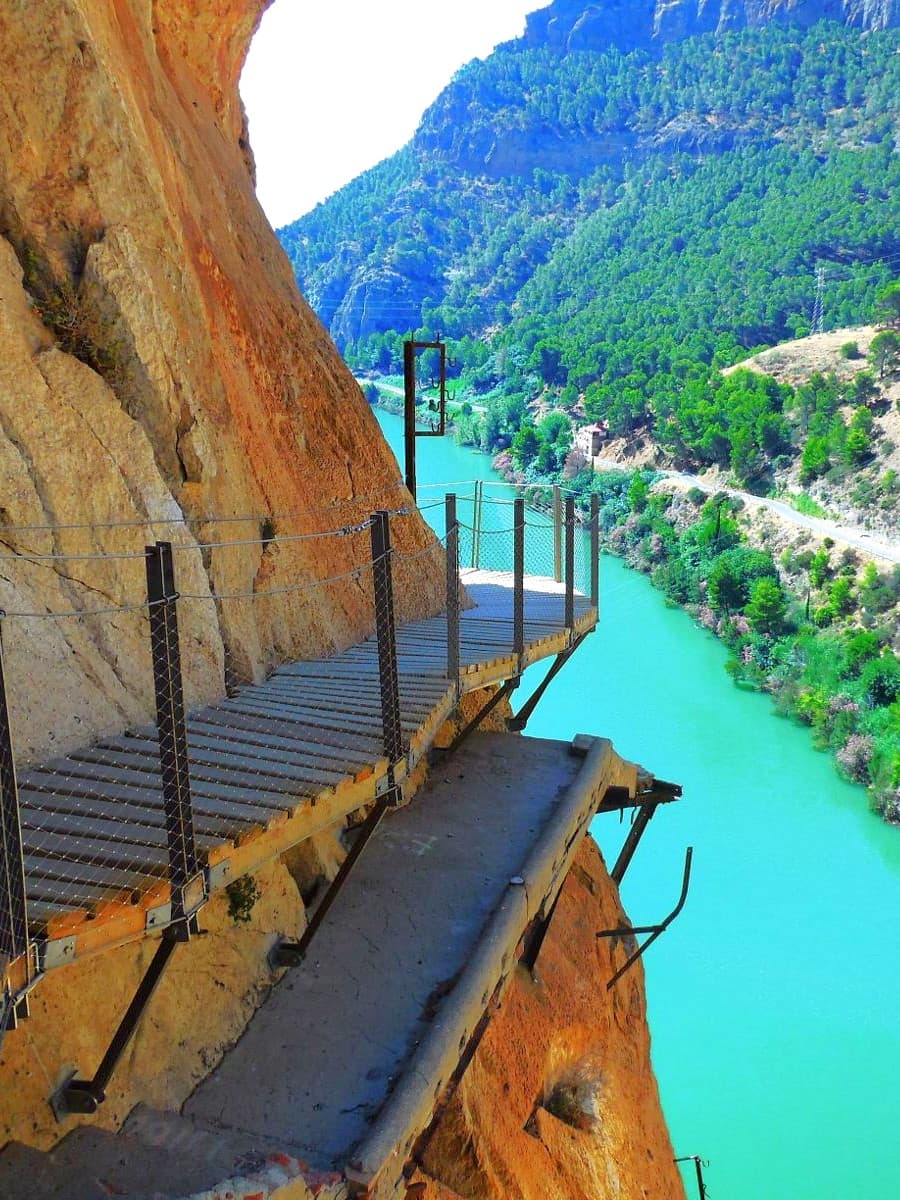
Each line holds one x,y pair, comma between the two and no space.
572,25
604,222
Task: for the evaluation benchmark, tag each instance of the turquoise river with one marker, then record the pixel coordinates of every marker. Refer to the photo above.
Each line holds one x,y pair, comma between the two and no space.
775,997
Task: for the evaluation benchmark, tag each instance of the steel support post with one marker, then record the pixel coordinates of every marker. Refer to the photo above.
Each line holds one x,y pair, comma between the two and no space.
655,931
626,854
188,888
485,711
517,723
557,535
570,565
519,581
13,900
476,523
409,414
292,954
698,1167
595,553
387,645
452,558
86,1095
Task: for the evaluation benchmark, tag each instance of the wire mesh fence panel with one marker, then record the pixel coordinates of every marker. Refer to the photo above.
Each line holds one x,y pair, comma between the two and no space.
172,703
93,827
309,728
125,791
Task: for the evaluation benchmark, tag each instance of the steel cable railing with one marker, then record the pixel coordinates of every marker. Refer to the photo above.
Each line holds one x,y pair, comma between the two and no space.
171,750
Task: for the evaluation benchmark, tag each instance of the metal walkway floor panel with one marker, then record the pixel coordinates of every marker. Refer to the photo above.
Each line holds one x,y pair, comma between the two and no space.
269,766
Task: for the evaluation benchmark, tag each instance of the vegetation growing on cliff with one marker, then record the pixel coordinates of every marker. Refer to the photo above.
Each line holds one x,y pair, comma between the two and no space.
709,180
816,629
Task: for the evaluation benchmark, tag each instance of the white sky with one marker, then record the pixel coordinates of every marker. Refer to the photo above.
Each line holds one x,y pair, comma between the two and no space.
333,87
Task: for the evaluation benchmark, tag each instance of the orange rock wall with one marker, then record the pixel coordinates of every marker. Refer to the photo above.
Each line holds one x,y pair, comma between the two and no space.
496,1139
157,361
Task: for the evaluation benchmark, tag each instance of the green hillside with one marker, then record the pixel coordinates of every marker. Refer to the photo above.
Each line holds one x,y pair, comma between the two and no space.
602,229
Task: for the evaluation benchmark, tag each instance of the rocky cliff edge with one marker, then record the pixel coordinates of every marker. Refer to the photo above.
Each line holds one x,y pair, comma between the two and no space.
159,372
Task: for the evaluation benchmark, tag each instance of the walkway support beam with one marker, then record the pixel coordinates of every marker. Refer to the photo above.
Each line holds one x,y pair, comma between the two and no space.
86,1095
517,723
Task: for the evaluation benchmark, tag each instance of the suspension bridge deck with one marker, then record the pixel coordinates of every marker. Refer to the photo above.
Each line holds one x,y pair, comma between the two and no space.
269,766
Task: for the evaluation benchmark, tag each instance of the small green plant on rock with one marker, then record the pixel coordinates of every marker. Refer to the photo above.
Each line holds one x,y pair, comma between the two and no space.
242,895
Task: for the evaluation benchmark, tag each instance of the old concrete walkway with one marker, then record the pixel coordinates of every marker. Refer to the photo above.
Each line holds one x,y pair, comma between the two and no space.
338,1073
339,1034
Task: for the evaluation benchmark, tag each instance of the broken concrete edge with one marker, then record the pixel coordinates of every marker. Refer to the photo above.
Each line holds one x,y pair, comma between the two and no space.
282,1177
377,1164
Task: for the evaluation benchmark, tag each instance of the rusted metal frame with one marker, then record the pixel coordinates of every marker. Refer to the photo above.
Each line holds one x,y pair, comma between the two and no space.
659,792
13,897
518,722
655,931
452,562
486,709
616,799
86,1095
570,565
409,415
188,885
699,1164
410,349
631,843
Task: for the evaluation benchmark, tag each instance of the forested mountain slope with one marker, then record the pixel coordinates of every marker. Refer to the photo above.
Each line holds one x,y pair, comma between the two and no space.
601,225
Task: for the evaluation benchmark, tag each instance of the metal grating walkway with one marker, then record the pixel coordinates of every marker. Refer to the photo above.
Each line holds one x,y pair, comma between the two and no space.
268,766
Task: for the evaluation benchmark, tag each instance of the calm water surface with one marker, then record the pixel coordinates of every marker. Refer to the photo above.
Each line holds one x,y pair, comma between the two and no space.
775,998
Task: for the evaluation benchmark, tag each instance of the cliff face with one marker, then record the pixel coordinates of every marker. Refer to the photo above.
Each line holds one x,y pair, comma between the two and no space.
628,24
559,1101
158,363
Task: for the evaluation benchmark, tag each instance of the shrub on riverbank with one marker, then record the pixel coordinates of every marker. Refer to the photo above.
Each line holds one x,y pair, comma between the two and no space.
813,630
817,639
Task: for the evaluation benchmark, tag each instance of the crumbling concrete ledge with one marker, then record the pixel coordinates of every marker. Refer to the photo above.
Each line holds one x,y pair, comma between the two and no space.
377,1164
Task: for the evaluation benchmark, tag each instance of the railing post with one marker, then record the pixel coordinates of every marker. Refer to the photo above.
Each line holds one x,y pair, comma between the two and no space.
188,887
557,534
409,414
595,553
476,522
13,899
452,556
570,564
387,645
519,581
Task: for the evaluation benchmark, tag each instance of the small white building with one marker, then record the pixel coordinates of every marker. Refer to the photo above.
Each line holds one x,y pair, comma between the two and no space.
590,438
